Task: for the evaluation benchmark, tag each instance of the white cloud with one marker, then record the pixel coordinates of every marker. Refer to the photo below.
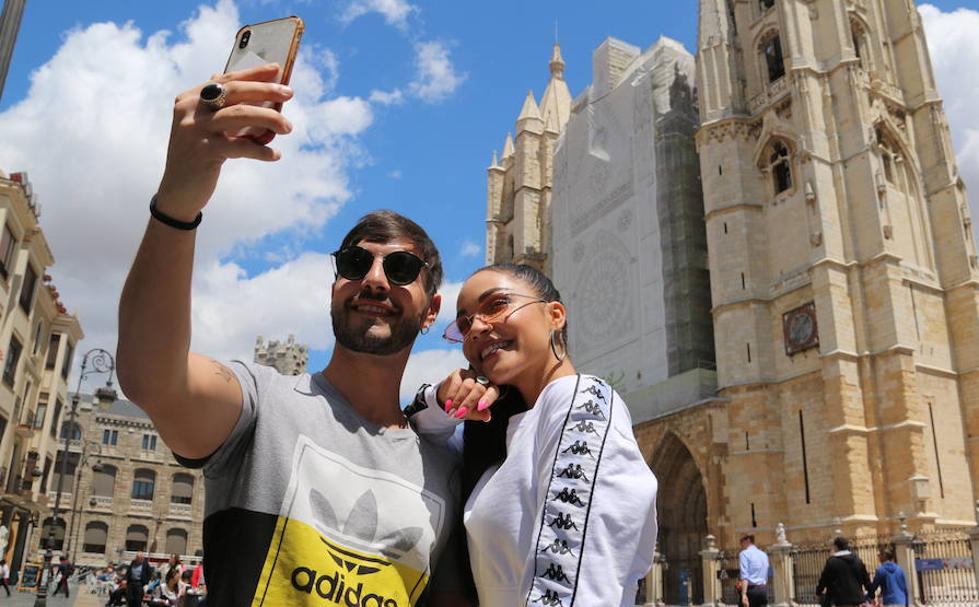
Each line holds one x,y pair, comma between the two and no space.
92,133
450,294
394,97
470,249
954,49
394,12
395,174
436,77
429,367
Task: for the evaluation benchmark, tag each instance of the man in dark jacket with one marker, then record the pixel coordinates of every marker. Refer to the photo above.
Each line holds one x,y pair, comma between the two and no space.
138,576
844,578
891,581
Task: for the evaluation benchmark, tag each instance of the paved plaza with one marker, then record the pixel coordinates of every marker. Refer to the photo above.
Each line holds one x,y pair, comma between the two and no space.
79,598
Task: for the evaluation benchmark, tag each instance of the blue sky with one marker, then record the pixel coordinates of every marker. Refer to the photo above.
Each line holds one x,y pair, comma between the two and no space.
425,156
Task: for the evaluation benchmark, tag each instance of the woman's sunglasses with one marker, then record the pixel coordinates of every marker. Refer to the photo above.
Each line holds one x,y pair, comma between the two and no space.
400,267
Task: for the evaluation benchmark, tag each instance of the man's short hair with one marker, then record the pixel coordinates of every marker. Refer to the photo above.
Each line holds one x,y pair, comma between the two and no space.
384,226
748,538
841,543
887,553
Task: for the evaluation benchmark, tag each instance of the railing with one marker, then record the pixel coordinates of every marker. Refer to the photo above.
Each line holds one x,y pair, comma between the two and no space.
100,502
181,510
141,507
946,574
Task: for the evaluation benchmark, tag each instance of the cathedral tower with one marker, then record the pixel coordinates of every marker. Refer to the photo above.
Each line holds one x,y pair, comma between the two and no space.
519,182
844,277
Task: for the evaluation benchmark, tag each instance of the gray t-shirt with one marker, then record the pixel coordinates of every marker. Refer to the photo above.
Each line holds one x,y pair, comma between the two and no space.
307,503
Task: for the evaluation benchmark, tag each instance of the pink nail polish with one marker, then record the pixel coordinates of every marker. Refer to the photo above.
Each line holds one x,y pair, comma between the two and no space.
461,412
482,405
448,405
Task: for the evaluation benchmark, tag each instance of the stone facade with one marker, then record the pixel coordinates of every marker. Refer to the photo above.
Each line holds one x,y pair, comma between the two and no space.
629,249
843,271
844,281
123,490
519,183
13,11
38,338
289,358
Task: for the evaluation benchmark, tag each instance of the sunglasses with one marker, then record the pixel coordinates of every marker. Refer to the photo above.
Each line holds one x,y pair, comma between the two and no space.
498,306
400,267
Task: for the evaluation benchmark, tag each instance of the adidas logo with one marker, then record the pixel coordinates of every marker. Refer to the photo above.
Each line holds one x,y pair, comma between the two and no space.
333,588
359,531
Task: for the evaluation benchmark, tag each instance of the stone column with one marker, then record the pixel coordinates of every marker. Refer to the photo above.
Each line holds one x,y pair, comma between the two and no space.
654,582
710,558
783,578
904,551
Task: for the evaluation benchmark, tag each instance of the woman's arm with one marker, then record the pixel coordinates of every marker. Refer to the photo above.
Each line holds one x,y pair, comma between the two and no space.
598,503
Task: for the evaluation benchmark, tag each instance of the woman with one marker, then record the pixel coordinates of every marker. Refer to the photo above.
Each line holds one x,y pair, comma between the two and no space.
169,592
560,506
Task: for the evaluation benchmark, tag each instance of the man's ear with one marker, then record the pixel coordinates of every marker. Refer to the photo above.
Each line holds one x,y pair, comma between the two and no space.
433,310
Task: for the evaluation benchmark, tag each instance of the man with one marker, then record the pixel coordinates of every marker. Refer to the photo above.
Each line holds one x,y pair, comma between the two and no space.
318,492
138,575
891,581
844,578
754,573
63,573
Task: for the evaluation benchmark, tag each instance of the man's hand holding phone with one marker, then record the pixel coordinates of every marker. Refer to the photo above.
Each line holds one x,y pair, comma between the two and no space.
202,138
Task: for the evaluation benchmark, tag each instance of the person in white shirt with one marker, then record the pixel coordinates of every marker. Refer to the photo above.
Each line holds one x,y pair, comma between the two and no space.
753,564
5,575
561,506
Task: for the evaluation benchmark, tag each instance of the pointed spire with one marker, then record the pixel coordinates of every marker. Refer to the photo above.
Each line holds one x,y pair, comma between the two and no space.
508,146
529,109
557,62
495,165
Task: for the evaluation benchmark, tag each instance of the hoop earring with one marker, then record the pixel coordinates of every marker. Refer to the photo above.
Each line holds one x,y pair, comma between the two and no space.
425,330
560,357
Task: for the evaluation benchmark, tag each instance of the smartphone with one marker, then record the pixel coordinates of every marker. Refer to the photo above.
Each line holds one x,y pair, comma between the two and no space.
275,41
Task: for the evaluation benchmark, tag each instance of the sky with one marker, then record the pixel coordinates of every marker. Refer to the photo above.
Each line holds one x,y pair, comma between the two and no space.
398,105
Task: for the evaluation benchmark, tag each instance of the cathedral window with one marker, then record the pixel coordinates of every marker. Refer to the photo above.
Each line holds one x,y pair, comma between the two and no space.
859,38
779,164
889,157
772,51
764,5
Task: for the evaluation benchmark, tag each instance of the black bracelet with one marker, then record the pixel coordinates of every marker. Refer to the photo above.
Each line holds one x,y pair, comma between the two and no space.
170,221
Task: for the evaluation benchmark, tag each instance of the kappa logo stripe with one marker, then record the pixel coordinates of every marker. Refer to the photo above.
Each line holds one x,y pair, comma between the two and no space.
561,535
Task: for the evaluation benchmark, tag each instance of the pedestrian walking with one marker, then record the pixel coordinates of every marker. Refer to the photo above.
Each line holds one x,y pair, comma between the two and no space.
890,580
138,576
5,575
754,566
844,581
62,575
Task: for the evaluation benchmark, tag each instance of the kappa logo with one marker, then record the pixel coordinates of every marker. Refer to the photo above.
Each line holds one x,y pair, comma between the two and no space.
592,408
594,392
550,597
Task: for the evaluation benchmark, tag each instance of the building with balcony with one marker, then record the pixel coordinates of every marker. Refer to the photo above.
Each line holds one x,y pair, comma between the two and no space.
123,490
37,340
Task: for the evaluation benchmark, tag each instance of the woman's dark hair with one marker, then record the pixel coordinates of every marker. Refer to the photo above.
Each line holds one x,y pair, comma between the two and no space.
171,573
484,443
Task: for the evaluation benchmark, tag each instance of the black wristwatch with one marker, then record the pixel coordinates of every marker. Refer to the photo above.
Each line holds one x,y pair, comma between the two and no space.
419,404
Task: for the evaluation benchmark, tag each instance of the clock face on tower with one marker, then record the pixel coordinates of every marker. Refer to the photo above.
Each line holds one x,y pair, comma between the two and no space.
799,329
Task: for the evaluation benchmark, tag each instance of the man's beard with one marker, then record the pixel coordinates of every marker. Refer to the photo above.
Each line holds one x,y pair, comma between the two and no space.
356,337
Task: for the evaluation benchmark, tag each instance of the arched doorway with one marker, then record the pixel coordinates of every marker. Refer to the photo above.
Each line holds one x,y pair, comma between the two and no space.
682,511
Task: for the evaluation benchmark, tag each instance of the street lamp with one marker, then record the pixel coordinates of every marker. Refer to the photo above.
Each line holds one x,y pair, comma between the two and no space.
101,362
72,545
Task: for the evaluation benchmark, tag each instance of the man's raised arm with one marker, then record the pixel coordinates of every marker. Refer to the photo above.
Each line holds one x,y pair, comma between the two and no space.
194,401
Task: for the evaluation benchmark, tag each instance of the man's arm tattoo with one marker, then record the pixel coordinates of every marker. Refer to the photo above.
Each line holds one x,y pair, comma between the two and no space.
223,371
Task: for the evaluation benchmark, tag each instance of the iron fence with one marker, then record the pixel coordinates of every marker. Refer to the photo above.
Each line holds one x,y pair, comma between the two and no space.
945,568
730,573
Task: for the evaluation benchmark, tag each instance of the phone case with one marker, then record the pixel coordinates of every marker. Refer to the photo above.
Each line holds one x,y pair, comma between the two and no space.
275,41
